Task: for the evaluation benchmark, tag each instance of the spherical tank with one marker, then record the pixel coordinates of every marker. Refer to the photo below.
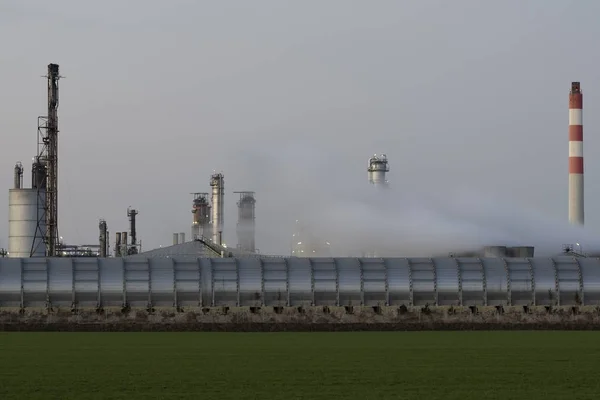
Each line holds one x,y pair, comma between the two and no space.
22,223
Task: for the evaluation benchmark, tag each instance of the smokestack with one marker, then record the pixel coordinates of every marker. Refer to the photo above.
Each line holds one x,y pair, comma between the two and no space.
118,244
181,237
378,166
131,213
576,207
217,182
103,238
124,244
18,184
245,225
175,239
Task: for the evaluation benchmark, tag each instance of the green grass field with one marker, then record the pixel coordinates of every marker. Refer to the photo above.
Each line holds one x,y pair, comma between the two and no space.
403,365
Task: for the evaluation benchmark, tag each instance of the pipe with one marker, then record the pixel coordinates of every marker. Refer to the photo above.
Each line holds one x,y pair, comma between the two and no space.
18,183
118,244
103,238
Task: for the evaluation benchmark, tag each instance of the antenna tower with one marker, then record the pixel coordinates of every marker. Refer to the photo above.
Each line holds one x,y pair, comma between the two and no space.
47,163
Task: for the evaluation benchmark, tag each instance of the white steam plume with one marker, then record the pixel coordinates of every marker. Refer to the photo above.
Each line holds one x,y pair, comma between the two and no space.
295,183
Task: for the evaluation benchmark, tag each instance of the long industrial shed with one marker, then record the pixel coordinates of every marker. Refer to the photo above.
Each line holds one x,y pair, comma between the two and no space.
205,282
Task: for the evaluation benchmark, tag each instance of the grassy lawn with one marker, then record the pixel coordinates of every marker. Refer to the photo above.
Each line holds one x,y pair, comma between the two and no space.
361,365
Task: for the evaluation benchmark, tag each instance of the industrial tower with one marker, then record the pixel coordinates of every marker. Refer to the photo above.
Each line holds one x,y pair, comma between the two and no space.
103,238
45,170
200,216
246,218
217,183
378,166
132,249
576,193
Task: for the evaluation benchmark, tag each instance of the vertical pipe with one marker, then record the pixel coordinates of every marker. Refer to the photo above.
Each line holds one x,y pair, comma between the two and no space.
576,189
18,183
175,239
103,239
118,244
124,244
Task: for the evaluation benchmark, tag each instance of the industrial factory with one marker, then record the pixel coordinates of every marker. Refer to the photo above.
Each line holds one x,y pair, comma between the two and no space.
38,268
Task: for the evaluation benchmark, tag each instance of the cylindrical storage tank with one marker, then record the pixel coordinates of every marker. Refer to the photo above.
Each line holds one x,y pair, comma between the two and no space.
522,251
175,238
22,223
494,251
181,237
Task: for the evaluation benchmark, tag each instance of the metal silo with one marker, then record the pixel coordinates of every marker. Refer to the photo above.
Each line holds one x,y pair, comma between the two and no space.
23,219
217,183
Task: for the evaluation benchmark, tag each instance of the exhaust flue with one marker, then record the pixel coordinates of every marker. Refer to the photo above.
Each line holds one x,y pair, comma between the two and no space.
576,192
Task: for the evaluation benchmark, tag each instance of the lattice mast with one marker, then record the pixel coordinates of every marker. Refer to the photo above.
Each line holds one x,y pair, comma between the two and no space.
47,164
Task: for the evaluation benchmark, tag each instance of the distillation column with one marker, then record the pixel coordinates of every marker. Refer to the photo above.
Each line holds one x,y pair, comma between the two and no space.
246,219
131,213
378,166
103,239
576,193
200,216
217,183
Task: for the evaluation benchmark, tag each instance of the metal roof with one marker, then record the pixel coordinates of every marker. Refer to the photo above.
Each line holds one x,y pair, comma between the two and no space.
203,281
192,249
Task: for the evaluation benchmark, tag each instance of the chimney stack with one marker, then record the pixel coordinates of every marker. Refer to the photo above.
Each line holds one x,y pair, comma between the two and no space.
576,205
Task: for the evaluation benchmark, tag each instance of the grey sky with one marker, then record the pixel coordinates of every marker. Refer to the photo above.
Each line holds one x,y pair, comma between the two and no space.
291,98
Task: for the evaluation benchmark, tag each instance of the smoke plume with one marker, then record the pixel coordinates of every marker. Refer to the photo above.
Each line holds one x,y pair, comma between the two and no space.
355,217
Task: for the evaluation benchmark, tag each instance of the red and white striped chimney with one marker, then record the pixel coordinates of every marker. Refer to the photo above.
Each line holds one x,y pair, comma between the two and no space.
576,215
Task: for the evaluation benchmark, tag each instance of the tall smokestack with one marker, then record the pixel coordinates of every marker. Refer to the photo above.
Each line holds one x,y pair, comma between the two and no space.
103,238
131,213
576,208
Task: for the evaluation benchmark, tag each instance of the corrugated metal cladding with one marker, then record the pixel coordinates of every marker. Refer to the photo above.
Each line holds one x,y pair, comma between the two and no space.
170,282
